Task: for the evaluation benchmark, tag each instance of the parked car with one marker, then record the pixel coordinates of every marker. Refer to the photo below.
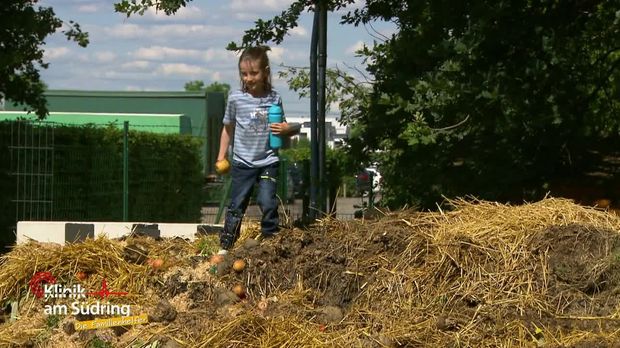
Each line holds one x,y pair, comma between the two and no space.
369,179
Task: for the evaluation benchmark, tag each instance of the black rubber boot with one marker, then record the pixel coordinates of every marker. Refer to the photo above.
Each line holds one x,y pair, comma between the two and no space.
232,229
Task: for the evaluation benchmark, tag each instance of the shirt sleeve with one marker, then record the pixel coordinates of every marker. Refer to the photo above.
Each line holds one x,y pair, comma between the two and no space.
231,110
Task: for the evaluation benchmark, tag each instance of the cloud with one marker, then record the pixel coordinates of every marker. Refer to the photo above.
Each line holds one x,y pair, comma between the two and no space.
164,53
245,16
216,76
170,31
125,31
101,57
159,52
106,75
104,56
354,48
136,65
276,53
334,107
89,8
251,9
244,10
183,14
258,6
213,54
181,69
298,31
56,52
133,88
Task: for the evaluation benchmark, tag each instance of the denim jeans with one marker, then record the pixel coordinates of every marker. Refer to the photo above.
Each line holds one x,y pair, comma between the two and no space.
243,180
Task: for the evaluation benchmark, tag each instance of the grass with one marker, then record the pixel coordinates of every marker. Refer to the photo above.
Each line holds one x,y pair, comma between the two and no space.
207,245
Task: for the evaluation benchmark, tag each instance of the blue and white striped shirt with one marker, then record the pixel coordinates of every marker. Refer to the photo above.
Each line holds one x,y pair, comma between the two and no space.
249,115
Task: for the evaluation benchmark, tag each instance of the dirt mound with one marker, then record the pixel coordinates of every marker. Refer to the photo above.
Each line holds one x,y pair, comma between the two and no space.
582,258
475,274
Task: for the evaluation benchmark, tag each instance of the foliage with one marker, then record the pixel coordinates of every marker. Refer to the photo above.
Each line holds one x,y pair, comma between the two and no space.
470,98
494,101
299,151
194,86
341,87
199,85
339,164
166,193
165,176
272,30
24,29
349,188
130,7
7,191
206,245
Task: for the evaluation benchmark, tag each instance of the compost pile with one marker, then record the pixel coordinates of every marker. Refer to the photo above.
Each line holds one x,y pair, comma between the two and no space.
475,273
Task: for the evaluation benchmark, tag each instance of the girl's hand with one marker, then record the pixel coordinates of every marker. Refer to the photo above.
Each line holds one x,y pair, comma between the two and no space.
222,166
279,128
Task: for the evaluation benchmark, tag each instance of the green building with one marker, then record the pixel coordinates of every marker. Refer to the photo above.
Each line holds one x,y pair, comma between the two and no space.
156,123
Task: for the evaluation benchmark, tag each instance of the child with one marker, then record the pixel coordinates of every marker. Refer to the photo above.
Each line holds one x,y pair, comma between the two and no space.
246,122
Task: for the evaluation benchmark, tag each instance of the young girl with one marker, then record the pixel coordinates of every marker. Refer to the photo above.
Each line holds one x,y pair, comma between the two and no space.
246,122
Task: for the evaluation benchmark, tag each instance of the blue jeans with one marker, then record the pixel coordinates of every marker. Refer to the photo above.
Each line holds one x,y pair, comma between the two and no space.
243,180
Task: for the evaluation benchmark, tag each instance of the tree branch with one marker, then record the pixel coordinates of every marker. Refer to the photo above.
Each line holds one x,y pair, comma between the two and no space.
450,127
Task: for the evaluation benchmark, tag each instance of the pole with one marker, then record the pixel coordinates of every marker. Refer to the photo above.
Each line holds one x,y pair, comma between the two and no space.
321,105
314,149
223,199
126,171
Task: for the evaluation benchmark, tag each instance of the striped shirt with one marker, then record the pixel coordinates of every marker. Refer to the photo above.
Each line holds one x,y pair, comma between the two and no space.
249,116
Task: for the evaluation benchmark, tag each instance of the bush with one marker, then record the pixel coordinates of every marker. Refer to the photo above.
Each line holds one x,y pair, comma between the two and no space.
165,176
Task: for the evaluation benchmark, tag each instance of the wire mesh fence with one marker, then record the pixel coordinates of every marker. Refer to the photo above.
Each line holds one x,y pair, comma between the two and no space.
56,175
31,153
75,172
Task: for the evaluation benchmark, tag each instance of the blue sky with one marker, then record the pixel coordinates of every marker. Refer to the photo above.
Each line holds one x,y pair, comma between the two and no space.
161,53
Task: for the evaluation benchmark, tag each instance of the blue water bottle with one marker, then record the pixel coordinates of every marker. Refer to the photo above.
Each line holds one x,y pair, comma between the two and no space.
275,116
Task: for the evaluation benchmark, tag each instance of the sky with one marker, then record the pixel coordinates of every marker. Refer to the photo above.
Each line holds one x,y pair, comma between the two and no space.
155,52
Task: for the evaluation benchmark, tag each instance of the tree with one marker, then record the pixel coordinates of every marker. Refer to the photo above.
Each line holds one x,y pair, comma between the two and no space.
477,99
492,100
472,98
130,7
23,30
198,85
339,163
194,86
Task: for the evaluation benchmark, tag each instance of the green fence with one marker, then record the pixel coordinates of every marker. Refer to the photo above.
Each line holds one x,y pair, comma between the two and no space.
60,172
64,172
202,112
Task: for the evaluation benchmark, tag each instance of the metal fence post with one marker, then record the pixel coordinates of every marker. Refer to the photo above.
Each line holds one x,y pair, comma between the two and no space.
282,187
220,210
126,171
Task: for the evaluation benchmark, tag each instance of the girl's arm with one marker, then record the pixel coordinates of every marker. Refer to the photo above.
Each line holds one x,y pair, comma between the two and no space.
285,128
227,132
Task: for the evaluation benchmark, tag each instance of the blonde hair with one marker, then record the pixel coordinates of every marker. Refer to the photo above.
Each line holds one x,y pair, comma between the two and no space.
257,54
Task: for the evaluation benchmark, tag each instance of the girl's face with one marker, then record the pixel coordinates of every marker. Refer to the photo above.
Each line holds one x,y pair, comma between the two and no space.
253,76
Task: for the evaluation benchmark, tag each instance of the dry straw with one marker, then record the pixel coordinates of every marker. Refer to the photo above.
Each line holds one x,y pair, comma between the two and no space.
474,274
